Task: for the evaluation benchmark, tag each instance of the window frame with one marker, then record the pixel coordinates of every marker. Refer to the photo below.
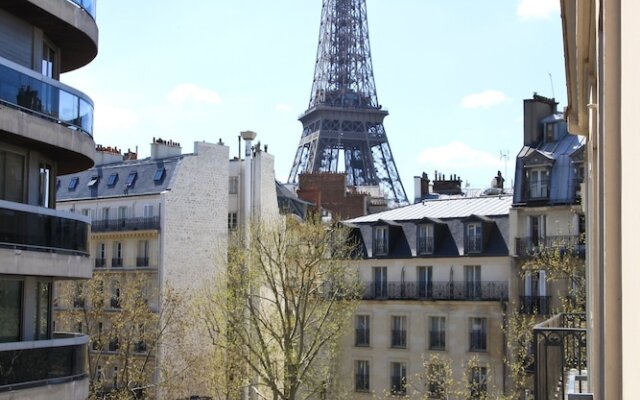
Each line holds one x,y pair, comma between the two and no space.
473,237
441,334
426,241
401,378
478,338
363,324
380,240
362,376
398,332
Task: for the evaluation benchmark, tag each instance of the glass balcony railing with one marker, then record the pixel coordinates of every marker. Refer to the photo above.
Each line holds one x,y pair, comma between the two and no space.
47,98
126,224
43,362
88,5
40,229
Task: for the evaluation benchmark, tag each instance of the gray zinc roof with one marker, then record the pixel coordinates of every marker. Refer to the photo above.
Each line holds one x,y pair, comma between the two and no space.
145,170
459,207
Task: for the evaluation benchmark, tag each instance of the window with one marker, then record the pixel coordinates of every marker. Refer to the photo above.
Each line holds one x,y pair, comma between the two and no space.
44,187
78,296
233,185
399,331
362,330
549,136
425,282
100,255
93,181
538,183
11,310
12,177
159,175
537,225
115,294
232,220
437,333
473,281
437,379
478,334
122,215
85,212
114,344
425,239
113,178
99,376
116,260
43,311
474,237
105,213
143,254
398,378
477,382
380,240
131,178
362,376
147,211
379,282
73,183
48,66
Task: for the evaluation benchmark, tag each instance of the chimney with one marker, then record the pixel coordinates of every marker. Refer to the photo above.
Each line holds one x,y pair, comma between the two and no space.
164,148
421,187
451,186
535,110
107,155
130,155
498,181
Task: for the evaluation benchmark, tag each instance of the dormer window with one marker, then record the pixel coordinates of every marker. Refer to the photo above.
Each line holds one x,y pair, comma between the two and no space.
474,237
549,133
538,183
380,240
425,239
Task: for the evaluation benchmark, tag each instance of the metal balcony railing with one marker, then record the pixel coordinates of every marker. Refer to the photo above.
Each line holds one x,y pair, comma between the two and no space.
531,246
101,262
142,261
560,346
535,305
43,362
454,290
32,228
116,262
126,224
45,97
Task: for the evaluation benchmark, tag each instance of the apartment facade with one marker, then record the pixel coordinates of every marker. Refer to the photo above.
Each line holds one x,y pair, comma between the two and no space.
167,219
46,129
547,209
436,279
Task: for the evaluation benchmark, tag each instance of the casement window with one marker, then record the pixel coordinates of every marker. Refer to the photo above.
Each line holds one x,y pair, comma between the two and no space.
478,334
131,178
437,333
142,260
474,237
425,239
537,230
116,260
380,282
477,382
232,221
362,330
399,331
398,378
362,376
113,178
425,282
100,255
538,183
473,281
380,240
233,185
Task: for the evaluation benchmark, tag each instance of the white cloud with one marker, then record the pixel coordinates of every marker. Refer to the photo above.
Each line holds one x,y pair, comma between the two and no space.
108,117
190,93
486,99
283,107
532,9
457,156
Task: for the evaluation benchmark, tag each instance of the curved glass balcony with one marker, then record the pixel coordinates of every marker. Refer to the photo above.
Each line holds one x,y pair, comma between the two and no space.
43,362
88,5
39,229
47,98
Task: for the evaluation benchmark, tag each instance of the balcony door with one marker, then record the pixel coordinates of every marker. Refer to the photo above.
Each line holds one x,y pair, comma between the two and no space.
473,281
537,229
425,282
538,183
380,282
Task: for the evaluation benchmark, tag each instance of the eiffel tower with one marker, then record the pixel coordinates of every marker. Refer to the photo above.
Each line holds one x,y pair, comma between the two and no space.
344,120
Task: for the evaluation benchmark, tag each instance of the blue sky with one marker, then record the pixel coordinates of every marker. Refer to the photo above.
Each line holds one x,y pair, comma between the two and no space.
452,74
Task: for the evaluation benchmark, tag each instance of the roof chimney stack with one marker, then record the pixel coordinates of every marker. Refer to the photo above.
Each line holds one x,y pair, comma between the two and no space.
164,148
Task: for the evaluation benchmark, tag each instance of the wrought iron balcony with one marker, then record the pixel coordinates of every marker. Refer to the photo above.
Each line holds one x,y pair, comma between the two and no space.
101,262
531,246
30,228
142,261
43,362
453,290
535,305
47,98
116,262
126,224
560,356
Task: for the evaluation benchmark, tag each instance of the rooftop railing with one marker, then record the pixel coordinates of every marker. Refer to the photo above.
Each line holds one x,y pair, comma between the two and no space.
43,362
560,351
44,97
26,227
452,290
125,224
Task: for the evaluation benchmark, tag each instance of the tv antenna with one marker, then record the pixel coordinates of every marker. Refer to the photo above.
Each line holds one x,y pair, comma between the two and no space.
553,92
504,155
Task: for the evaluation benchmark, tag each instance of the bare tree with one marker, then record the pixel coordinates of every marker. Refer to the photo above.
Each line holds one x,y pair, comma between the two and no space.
287,298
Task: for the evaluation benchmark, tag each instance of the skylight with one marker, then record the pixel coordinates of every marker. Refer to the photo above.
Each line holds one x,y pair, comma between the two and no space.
113,178
93,181
159,175
73,183
131,179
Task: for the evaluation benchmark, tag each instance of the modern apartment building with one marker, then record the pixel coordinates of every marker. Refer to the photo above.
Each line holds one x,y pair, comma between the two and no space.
46,129
602,58
167,218
547,209
436,278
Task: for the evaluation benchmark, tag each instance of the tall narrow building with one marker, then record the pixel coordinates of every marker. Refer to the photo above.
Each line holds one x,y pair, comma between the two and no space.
342,128
45,130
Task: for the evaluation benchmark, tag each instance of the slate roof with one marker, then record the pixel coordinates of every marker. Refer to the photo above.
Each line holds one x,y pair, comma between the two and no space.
288,202
449,217
144,183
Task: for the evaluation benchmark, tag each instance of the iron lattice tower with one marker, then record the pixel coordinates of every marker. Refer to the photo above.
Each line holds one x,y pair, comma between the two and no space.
344,118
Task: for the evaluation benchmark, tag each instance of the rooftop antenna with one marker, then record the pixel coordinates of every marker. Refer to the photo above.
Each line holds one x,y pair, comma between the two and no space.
504,155
553,92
